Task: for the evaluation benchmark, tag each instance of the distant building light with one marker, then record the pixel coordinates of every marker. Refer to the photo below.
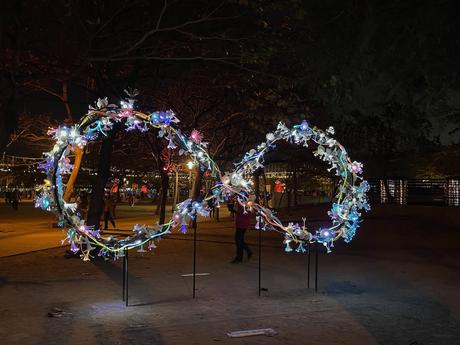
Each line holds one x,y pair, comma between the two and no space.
453,193
397,190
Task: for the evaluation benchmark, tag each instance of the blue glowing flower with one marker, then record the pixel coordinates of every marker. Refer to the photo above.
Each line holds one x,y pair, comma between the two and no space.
304,126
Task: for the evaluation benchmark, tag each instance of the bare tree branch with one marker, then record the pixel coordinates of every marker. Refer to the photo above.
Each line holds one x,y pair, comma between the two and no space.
163,10
201,38
159,58
38,87
205,19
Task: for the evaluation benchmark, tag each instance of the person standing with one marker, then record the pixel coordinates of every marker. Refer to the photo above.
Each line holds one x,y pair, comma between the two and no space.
108,207
212,208
131,199
114,205
15,199
83,204
242,221
7,197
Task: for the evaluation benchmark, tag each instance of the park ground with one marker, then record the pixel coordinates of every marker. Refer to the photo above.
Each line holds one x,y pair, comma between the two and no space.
398,282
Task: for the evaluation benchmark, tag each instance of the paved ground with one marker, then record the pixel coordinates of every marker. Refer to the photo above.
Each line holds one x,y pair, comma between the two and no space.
397,283
30,229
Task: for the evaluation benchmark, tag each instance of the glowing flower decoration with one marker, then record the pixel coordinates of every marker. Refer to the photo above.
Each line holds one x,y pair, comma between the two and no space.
51,131
65,166
357,167
74,248
196,136
100,104
270,137
304,125
226,180
330,130
171,145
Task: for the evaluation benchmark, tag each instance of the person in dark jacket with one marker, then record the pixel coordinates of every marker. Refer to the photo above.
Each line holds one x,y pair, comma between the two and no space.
83,204
242,221
108,212
15,197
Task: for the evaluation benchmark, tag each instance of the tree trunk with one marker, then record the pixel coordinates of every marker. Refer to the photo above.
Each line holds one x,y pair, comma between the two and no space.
164,194
176,192
296,187
65,98
8,110
257,186
79,152
264,181
96,205
8,113
196,187
158,201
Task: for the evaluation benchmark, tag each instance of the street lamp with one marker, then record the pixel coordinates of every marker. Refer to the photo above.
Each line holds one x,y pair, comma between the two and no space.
190,165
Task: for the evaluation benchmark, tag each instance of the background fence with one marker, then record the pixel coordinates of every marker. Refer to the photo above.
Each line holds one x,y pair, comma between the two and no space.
416,191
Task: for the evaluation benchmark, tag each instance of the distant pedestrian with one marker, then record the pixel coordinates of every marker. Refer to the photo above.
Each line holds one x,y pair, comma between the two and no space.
83,204
131,199
15,199
114,205
230,207
212,207
242,221
108,207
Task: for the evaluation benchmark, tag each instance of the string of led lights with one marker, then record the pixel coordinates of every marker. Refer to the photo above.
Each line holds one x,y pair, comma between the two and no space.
100,120
347,203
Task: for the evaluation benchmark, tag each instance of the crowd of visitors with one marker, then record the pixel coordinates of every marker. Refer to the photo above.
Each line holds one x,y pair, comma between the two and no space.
13,198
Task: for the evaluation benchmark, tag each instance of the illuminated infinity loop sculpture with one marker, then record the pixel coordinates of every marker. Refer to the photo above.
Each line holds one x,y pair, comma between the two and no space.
100,120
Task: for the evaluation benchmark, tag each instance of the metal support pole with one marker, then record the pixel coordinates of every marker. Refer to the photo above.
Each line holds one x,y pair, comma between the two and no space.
260,258
125,266
194,256
308,264
264,181
316,266
124,278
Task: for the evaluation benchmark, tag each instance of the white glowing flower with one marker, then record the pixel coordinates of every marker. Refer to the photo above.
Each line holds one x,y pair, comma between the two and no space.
225,179
101,103
356,167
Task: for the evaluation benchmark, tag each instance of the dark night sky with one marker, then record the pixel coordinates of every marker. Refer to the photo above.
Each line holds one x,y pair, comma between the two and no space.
336,63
